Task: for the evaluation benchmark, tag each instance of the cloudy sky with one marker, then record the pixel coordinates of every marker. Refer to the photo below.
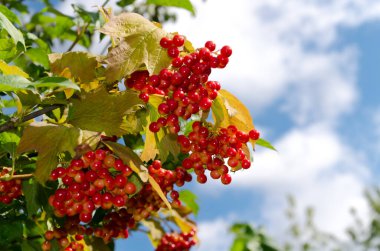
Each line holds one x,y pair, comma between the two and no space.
308,71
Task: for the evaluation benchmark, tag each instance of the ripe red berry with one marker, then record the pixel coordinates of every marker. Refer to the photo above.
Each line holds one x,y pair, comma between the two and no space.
254,134
144,97
205,104
153,127
165,42
210,45
226,51
178,40
173,52
226,179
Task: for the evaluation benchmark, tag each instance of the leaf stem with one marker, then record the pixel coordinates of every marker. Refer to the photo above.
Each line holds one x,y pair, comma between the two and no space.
14,121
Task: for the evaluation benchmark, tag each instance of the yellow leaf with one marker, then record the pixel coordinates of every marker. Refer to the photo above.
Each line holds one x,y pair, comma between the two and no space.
158,189
155,230
184,224
69,93
150,146
12,70
229,110
81,67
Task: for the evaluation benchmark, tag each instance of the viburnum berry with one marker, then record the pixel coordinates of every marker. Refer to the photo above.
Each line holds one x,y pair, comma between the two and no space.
254,134
9,189
178,40
165,42
177,241
226,51
210,45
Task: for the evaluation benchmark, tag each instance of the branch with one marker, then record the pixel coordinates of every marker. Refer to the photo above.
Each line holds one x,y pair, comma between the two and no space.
14,121
78,37
18,176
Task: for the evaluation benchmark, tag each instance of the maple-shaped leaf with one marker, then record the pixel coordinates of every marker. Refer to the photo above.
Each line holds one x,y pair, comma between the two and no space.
101,111
137,44
48,140
80,66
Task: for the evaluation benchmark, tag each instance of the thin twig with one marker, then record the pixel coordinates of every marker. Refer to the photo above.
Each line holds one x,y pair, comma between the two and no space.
14,121
79,36
18,176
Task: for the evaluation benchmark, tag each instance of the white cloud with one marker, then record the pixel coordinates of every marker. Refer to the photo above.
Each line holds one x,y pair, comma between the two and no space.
214,235
318,169
284,50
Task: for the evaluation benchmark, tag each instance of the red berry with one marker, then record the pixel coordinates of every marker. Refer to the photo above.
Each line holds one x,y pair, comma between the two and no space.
226,51
205,104
210,45
173,52
226,179
153,127
178,40
254,134
165,42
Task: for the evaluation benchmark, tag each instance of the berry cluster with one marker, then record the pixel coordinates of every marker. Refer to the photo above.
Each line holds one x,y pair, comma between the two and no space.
114,225
168,178
185,83
207,151
9,189
176,241
142,204
98,179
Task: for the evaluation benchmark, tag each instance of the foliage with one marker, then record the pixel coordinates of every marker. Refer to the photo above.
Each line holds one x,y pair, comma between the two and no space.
304,234
96,159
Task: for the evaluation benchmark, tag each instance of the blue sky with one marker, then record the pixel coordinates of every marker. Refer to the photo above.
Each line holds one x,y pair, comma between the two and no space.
308,71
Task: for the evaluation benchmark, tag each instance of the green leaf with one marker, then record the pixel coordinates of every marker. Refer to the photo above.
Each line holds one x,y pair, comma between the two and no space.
13,83
239,244
189,198
266,144
103,112
31,192
48,140
168,145
139,44
38,56
134,178
29,98
242,229
10,231
12,17
15,34
184,4
123,3
53,82
8,50
9,141
134,141
31,245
